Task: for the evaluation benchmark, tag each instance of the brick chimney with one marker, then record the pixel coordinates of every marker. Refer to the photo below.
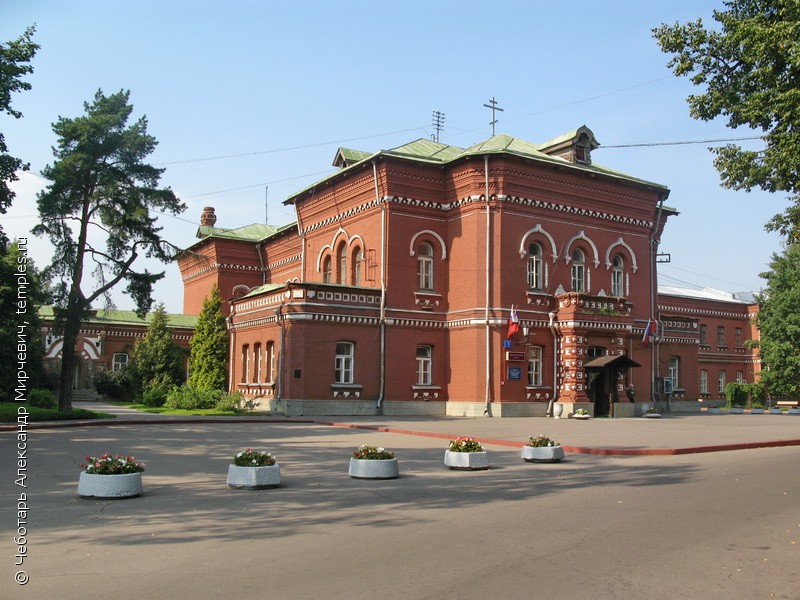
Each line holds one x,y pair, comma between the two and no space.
208,218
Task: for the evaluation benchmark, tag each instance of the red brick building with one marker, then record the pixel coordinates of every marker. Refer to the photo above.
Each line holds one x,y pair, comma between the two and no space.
105,343
393,291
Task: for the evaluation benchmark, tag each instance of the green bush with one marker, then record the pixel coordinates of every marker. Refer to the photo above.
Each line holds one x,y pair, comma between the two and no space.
187,398
42,398
231,402
736,393
758,394
114,384
155,397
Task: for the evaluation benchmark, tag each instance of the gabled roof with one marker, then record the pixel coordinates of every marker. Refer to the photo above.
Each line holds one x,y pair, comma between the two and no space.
347,156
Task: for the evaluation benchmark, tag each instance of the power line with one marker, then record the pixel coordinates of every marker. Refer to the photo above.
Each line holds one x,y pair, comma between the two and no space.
274,150
651,144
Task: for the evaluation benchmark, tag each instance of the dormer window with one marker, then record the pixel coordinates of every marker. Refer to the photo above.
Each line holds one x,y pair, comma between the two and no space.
582,150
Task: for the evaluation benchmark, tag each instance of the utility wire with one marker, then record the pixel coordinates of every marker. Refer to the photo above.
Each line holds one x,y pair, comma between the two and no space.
274,150
650,144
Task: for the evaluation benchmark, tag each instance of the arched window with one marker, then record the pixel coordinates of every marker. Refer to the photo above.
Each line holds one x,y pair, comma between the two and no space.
341,264
355,271
425,266
535,267
618,276
578,271
327,271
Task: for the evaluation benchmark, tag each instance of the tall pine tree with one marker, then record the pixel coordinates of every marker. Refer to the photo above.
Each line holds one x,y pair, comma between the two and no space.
208,360
97,214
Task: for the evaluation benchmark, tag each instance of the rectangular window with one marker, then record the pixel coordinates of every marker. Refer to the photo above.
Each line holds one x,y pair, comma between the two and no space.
425,273
738,337
578,278
674,363
270,358
617,288
703,381
245,363
424,365
257,360
119,362
721,382
739,377
703,335
721,336
534,365
345,352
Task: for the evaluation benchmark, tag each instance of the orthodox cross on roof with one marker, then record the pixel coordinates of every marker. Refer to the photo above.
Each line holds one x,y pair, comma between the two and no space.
493,105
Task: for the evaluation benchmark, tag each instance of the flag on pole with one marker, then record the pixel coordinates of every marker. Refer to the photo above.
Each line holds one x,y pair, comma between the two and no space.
513,322
649,330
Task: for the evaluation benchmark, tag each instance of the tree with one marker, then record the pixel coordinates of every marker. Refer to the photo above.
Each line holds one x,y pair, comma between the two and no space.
15,57
157,359
750,69
102,188
778,321
22,291
208,359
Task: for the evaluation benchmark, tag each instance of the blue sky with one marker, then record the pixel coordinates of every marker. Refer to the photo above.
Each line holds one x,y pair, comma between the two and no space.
242,95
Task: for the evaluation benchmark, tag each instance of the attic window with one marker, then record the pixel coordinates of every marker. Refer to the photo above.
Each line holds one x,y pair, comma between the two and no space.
582,149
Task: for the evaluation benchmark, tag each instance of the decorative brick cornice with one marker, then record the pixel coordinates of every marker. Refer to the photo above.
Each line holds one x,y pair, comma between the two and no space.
704,312
218,266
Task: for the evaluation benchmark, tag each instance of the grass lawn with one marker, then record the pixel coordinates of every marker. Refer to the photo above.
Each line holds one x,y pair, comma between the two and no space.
160,410
8,413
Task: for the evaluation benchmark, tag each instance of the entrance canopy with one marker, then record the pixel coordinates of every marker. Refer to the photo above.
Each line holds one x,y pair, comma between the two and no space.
619,361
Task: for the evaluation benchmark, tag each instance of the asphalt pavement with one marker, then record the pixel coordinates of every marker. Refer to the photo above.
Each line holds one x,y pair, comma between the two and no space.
625,516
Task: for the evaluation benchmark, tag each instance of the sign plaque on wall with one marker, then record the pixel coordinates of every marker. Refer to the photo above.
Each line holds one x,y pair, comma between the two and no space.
515,356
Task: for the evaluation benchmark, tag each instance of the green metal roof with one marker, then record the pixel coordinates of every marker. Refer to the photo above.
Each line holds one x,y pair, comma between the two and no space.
125,317
248,233
424,150
267,287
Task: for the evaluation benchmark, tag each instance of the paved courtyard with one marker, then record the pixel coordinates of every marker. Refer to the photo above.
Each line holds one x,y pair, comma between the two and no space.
708,525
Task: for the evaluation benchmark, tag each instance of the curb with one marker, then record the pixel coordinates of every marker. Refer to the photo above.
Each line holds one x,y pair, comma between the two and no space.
442,436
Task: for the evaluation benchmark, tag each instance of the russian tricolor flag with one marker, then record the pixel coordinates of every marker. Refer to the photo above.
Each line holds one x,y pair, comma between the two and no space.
513,322
649,330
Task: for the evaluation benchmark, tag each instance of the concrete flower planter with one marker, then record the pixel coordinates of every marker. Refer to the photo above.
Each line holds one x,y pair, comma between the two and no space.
374,469
736,410
254,478
794,411
756,411
582,417
128,485
775,411
466,461
542,454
